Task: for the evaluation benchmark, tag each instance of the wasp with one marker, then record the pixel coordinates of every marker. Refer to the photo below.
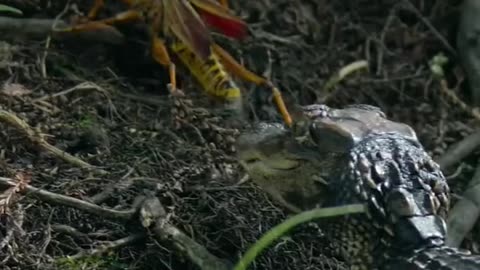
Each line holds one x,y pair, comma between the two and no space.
182,27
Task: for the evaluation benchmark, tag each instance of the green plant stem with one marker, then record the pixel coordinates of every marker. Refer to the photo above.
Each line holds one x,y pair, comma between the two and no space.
282,228
10,9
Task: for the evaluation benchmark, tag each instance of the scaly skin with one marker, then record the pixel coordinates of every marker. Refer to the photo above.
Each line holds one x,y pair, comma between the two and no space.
361,157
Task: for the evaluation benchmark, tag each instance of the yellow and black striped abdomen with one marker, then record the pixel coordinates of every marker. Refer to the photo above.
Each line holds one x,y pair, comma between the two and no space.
210,73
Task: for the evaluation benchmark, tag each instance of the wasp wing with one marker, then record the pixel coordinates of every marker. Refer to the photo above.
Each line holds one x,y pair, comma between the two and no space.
221,18
185,23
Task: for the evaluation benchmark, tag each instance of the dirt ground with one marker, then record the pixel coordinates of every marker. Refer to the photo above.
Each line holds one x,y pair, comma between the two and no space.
108,106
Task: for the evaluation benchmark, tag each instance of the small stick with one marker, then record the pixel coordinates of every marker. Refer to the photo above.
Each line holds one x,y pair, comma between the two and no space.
109,246
457,101
429,25
459,150
14,223
54,198
69,230
43,59
154,216
341,75
123,183
38,139
81,86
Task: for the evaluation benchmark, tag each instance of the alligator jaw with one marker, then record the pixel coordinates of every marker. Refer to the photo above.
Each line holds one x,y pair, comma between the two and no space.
273,160
261,151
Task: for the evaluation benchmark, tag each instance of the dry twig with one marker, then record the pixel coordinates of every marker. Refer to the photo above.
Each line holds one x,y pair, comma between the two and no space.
339,76
459,150
409,6
38,139
457,101
54,198
68,230
43,59
119,243
154,213
114,186
14,224
85,86
10,194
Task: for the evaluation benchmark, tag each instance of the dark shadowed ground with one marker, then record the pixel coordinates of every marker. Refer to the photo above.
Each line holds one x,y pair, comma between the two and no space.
119,116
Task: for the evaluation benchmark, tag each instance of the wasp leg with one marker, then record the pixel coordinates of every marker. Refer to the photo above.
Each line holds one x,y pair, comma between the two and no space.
236,68
97,5
123,17
160,55
224,3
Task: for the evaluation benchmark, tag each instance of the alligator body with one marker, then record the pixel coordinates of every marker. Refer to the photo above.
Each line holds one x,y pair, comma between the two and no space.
360,157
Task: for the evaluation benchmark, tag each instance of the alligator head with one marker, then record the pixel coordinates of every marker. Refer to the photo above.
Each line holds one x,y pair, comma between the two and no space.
292,171
358,156
276,164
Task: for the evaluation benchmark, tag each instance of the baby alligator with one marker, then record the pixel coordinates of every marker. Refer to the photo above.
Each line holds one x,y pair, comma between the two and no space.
356,155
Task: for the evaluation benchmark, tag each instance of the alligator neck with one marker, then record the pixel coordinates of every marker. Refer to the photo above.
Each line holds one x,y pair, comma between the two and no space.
406,194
